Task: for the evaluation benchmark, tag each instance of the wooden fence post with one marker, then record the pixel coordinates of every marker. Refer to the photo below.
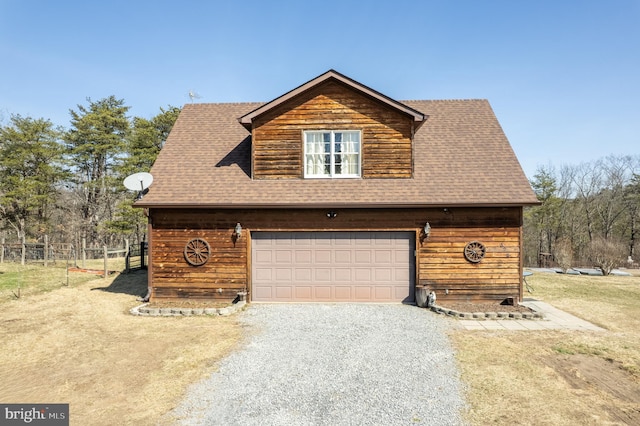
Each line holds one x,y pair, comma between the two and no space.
106,257
84,252
127,258
2,252
24,249
46,249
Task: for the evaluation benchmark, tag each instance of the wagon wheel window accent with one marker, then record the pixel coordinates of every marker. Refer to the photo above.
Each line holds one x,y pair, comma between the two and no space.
197,251
474,251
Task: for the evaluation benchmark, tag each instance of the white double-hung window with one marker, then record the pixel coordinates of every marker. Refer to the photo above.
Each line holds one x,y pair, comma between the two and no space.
332,154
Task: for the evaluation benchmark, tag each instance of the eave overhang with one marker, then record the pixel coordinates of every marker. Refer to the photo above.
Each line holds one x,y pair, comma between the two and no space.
334,205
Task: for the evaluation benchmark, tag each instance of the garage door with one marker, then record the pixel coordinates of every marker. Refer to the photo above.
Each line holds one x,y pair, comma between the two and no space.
332,266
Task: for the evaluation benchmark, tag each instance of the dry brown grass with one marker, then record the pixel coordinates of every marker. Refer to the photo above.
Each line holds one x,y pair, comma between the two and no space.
79,345
560,377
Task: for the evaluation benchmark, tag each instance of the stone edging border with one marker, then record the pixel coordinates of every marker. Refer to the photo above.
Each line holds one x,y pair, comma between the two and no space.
488,315
144,311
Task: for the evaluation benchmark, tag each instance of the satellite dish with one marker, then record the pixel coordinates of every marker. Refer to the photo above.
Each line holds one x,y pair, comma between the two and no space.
193,95
138,182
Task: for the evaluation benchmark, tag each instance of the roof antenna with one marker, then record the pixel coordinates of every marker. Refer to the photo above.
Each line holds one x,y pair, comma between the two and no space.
139,182
193,95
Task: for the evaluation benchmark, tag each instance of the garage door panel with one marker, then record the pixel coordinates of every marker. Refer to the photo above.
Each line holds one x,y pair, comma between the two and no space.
333,266
401,256
303,256
401,275
342,275
303,275
304,292
283,256
322,274
322,293
283,275
323,256
263,256
263,293
345,239
343,294
342,256
383,256
383,292
284,293
362,275
383,275
363,256
263,274
363,293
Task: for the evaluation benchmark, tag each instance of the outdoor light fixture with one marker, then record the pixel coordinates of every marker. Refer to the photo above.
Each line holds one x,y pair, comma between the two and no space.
426,231
238,231
331,214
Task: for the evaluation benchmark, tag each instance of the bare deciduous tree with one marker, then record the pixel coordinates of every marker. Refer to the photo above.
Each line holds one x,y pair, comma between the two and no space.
606,254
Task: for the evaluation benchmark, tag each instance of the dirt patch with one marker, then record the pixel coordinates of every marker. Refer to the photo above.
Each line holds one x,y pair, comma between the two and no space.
483,307
79,345
620,393
546,378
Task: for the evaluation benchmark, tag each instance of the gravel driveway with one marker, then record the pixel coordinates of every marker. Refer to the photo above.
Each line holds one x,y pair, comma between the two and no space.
332,364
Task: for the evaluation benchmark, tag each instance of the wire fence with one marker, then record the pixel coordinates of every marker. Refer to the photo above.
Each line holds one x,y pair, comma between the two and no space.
135,256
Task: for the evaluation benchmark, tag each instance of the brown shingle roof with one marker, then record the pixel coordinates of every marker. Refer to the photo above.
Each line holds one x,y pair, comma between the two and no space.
461,158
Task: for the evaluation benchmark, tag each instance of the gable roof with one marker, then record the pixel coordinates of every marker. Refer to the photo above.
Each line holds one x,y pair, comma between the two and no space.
247,119
461,158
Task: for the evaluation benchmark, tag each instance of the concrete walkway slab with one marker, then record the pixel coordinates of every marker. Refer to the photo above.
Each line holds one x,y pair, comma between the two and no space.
554,319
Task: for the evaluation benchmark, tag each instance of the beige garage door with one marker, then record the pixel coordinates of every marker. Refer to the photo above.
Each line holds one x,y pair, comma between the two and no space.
332,266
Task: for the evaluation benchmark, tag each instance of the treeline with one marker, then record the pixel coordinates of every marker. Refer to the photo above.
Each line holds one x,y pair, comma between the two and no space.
67,182
589,214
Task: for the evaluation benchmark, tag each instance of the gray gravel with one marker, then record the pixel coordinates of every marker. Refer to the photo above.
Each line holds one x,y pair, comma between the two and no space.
332,364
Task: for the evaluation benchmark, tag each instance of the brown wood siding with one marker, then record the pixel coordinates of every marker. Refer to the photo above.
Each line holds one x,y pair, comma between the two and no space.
277,136
222,277
440,262
444,268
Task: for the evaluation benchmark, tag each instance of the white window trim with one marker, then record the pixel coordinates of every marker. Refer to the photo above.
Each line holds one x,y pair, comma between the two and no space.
332,175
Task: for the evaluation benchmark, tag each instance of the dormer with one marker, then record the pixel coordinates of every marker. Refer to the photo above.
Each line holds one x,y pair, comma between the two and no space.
332,127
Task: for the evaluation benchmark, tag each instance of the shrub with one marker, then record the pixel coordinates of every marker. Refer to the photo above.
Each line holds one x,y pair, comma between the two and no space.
606,254
564,254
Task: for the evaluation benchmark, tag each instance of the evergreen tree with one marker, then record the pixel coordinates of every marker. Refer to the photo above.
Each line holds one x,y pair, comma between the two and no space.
146,140
31,170
143,145
96,142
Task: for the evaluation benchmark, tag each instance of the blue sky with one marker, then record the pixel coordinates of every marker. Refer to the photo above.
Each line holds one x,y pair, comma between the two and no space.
562,76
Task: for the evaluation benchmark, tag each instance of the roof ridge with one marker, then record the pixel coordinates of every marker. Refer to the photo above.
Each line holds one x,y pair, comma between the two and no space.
226,103
401,101
444,100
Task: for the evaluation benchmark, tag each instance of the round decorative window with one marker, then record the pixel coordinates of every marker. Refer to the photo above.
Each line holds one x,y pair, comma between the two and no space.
197,251
474,251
